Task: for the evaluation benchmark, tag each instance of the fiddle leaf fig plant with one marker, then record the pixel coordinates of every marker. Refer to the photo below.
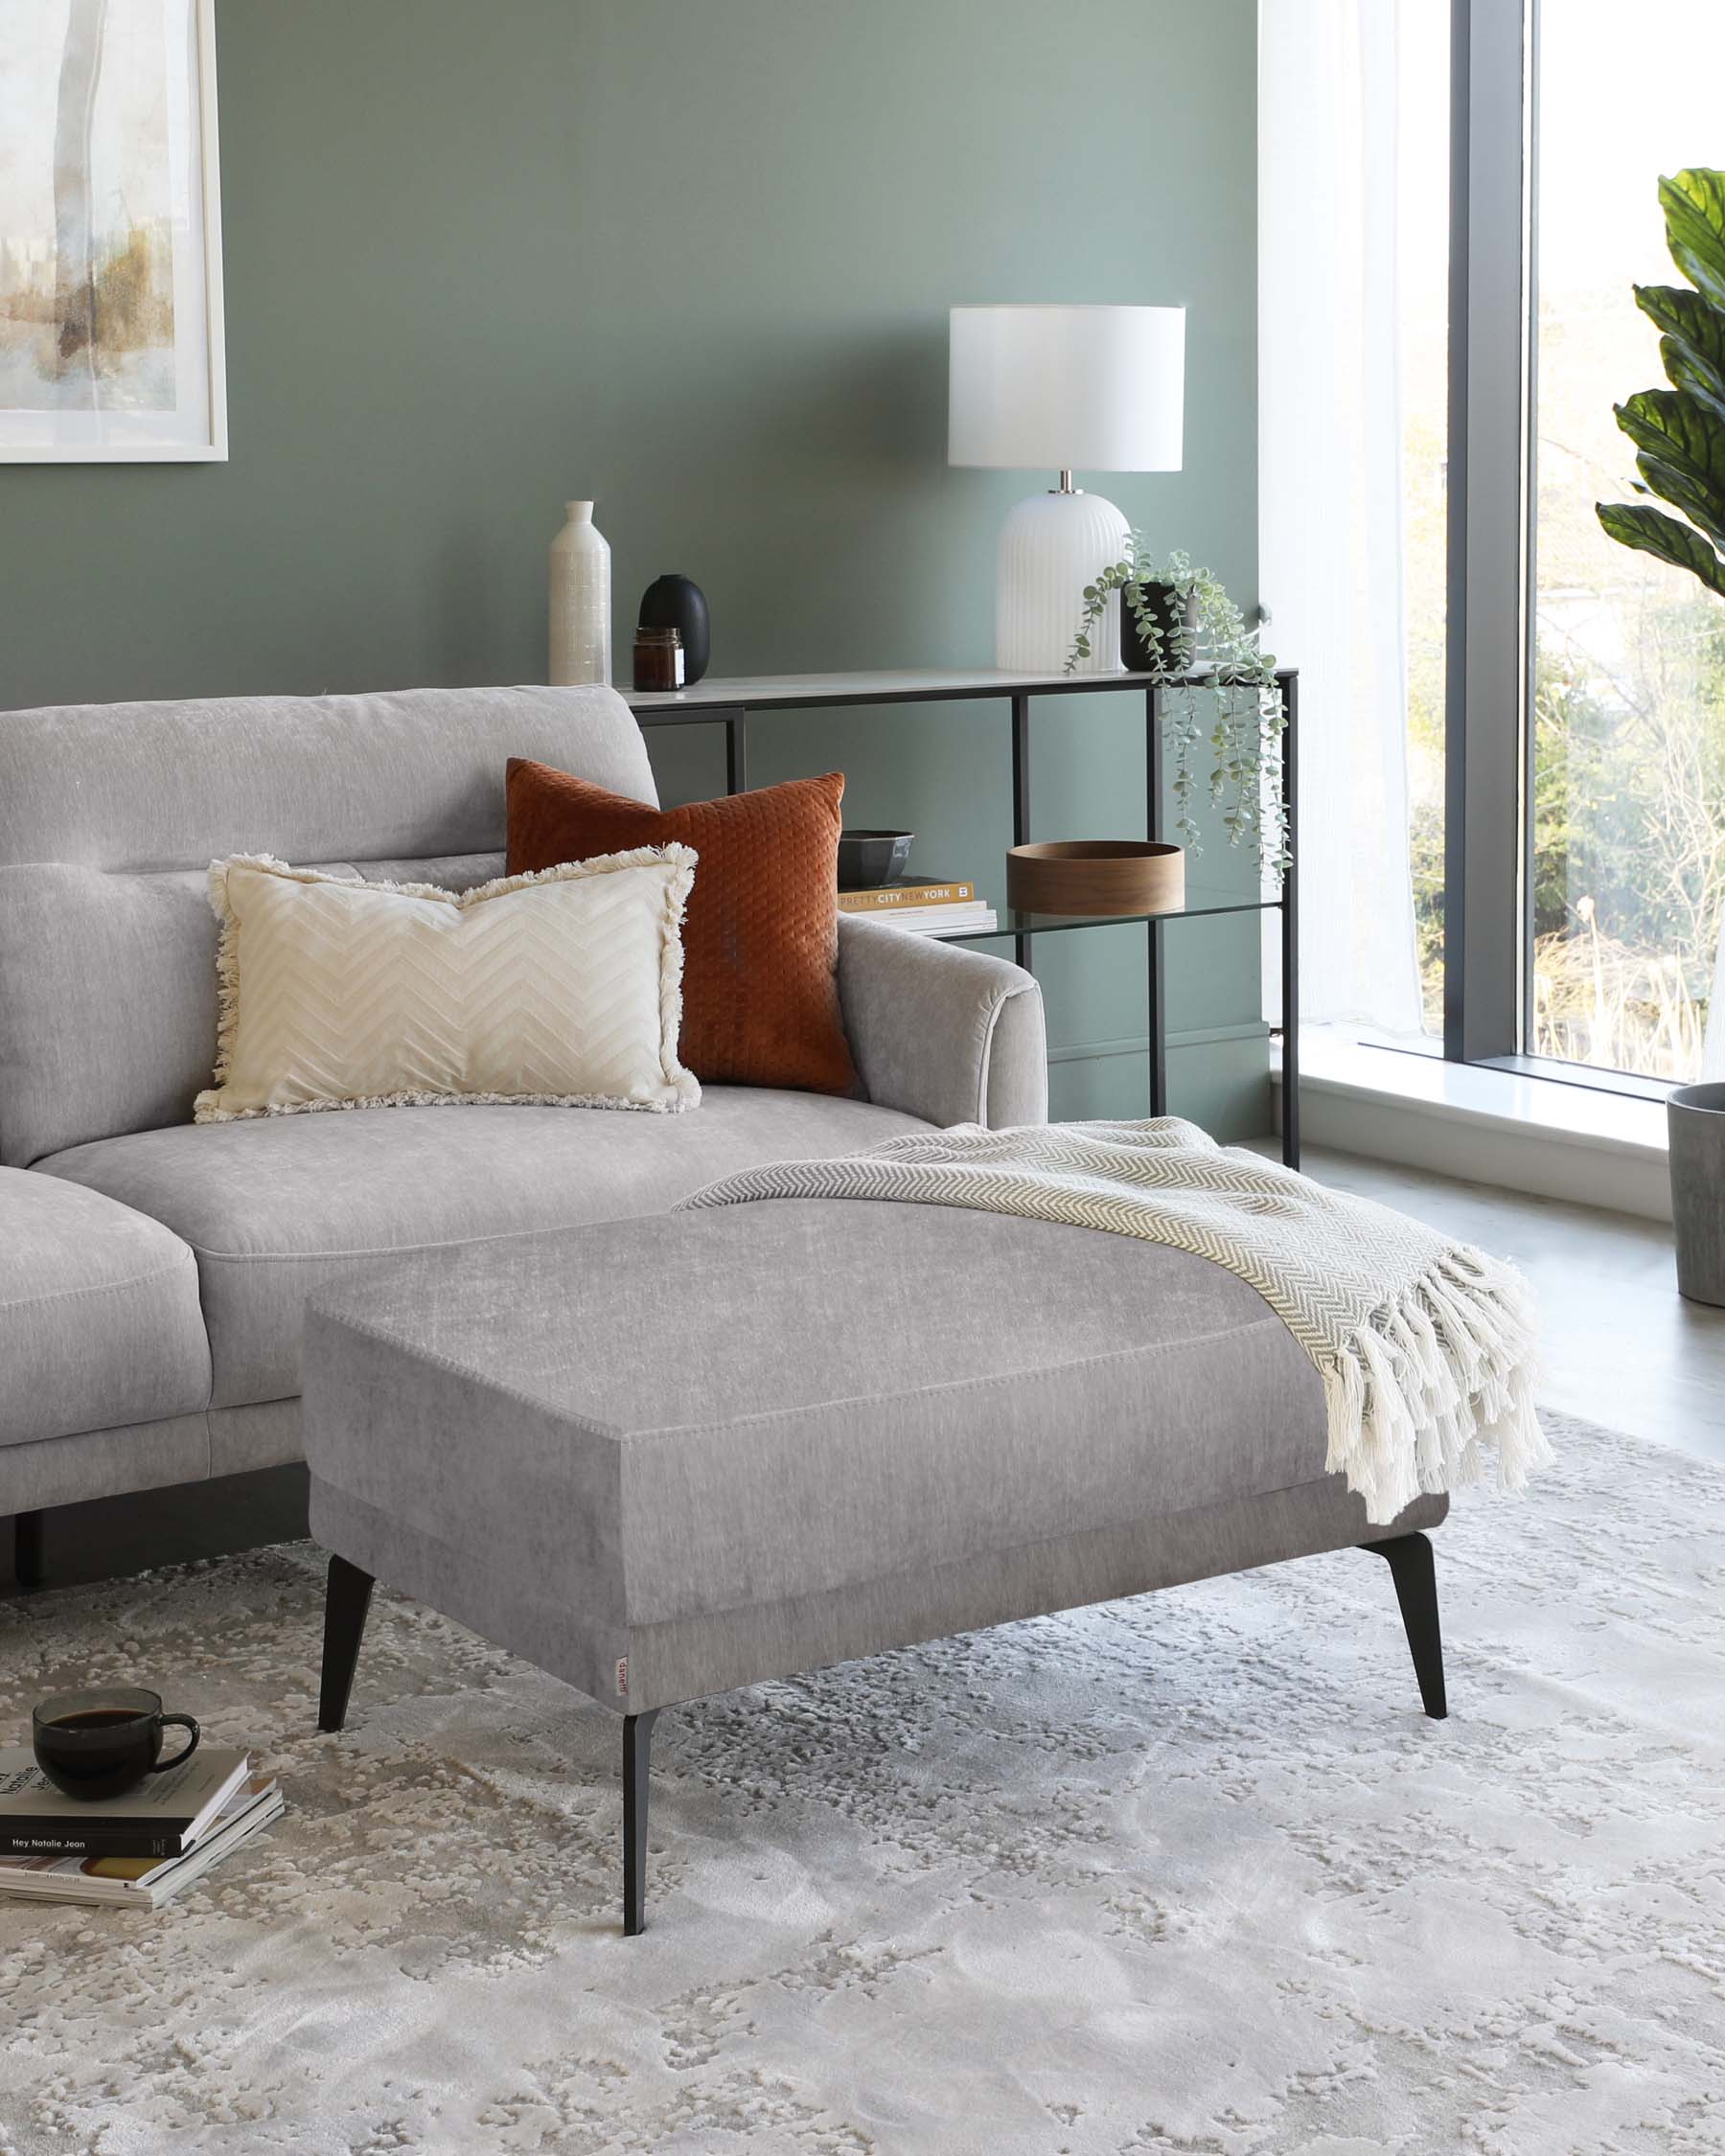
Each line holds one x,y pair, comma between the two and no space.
1679,433
1219,692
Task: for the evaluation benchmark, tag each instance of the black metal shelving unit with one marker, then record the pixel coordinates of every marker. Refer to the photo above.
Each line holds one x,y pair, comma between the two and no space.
729,704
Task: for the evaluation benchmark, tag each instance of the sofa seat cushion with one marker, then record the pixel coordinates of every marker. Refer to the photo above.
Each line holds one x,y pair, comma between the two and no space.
280,1207
661,1420
100,1322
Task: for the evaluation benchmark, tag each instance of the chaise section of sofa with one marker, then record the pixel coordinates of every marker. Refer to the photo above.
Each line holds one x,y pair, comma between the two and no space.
205,1241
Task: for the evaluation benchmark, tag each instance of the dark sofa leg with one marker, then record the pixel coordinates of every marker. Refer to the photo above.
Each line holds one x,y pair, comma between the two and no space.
20,1552
1410,1561
638,1747
346,1600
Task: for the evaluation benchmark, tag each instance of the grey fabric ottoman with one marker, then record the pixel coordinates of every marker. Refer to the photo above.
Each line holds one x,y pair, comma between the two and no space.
667,1456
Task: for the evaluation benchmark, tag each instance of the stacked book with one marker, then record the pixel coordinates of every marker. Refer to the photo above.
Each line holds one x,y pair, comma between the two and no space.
930,907
140,1850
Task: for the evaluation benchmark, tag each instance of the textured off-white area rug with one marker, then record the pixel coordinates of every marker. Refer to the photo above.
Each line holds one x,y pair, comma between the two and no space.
1189,1874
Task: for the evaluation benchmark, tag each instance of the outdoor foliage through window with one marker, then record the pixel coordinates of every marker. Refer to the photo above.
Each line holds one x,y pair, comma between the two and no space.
1628,868
1627,878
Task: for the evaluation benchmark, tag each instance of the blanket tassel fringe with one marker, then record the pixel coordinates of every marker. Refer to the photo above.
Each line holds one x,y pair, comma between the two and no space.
1436,1376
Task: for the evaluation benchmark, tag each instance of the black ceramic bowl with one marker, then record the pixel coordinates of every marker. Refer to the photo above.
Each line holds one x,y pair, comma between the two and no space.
869,859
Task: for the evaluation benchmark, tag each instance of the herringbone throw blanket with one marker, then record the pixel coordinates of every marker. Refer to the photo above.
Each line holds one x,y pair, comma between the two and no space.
1425,1346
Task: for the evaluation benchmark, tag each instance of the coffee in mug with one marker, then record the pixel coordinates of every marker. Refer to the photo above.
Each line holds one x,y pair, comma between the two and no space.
103,1743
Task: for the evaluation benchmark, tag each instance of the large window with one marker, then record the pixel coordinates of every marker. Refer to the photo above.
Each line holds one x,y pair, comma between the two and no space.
1627,875
1422,176
1585,722
1513,781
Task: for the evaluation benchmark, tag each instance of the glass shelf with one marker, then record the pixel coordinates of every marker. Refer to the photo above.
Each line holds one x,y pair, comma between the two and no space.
1200,900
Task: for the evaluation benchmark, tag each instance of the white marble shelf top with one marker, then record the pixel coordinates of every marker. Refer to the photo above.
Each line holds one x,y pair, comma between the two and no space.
761,692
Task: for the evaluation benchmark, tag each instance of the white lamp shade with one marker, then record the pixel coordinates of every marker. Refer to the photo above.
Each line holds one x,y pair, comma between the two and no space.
1067,388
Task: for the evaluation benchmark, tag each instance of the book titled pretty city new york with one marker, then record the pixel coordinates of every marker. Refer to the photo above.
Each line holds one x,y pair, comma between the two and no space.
162,1817
886,898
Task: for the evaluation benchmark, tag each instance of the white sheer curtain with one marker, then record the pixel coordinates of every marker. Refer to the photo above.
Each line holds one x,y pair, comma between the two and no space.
1330,488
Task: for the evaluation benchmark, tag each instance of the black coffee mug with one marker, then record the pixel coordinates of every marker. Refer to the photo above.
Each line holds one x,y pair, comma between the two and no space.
104,1743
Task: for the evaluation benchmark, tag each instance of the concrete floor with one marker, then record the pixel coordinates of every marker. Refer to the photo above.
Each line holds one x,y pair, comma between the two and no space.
1622,1348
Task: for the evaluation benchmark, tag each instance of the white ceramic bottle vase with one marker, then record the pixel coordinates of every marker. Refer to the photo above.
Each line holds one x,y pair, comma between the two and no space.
580,600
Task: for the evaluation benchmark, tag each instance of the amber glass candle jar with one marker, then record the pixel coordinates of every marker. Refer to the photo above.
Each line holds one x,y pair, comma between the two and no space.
659,658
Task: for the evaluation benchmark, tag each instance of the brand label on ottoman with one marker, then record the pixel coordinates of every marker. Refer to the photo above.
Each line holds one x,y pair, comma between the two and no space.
622,1676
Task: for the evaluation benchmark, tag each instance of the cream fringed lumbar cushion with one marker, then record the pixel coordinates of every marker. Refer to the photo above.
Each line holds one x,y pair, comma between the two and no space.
562,988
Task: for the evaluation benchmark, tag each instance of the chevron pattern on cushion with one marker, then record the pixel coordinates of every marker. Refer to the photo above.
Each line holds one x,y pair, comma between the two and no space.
562,988
761,990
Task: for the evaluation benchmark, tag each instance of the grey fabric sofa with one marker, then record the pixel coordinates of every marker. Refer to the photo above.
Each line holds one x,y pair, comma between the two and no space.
154,1274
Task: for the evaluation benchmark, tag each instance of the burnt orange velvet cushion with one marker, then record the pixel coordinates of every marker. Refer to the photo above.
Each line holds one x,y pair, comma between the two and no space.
761,928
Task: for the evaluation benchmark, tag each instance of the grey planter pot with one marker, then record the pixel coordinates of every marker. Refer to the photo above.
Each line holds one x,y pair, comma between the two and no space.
1696,1117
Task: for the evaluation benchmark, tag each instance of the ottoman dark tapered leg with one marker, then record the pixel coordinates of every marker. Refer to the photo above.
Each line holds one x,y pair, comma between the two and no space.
1409,1560
638,1747
346,1600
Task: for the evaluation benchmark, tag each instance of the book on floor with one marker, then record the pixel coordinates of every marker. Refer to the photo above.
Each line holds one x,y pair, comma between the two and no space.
162,1817
145,1882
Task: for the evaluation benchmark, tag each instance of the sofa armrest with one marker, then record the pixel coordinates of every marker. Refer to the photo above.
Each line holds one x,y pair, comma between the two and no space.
942,1032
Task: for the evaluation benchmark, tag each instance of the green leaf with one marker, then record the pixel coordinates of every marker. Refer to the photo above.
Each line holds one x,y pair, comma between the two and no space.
1693,203
1651,530
1682,445
1688,320
1695,376
1676,484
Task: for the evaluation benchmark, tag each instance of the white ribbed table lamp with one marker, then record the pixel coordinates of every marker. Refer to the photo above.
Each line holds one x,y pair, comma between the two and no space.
1069,389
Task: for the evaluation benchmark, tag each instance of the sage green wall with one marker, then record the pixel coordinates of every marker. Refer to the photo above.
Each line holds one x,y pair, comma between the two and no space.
691,258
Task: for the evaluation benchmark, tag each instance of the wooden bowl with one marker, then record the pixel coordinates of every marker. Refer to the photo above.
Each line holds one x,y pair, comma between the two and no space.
1096,876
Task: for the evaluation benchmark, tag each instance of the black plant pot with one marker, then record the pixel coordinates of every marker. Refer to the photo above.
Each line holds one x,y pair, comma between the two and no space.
1176,620
869,859
674,602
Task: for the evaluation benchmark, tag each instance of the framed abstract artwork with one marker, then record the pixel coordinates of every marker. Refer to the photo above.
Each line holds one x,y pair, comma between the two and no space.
110,233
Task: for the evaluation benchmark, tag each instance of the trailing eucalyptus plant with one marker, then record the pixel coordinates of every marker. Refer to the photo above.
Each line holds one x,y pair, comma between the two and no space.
1191,628
1679,433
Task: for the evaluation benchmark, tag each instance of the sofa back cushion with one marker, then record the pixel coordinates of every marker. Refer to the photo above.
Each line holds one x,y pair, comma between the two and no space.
111,813
416,771
108,995
108,1004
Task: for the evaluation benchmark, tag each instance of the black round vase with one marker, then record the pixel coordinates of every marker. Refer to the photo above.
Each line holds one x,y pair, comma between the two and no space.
674,602
1177,621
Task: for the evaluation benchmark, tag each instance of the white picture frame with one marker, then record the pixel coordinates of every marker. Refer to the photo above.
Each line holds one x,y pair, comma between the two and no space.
155,389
